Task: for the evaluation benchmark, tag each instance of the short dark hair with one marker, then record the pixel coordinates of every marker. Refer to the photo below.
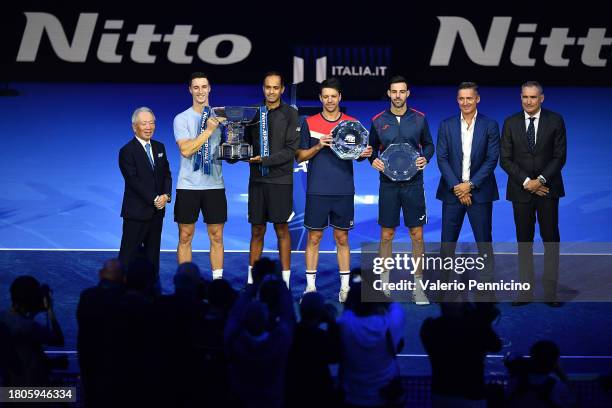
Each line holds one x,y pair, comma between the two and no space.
275,73
544,354
468,85
26,292
195,75
332,83
396,79
221,295
534,84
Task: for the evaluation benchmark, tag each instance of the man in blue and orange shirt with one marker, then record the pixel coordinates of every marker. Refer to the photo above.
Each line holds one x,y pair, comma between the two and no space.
330,188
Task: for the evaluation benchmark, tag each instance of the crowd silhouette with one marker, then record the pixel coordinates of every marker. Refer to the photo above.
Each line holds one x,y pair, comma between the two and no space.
209,345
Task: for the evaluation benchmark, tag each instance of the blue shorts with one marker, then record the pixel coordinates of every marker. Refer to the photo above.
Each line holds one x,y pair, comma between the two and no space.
396,196
333,210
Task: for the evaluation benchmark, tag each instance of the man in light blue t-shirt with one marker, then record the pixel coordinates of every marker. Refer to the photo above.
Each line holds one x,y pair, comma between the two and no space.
200,185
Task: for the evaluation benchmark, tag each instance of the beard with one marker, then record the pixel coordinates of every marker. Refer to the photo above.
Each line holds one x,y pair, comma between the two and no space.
398,103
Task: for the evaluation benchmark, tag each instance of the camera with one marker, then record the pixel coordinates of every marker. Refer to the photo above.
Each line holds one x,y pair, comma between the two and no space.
44,297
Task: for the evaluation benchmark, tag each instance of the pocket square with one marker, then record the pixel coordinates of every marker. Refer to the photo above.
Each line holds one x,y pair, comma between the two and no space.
160,155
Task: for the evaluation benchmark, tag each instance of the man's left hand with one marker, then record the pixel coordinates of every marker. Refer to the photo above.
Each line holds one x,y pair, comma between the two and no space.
466,199
421,162
255,160
161,201
542,191
462,189
533,185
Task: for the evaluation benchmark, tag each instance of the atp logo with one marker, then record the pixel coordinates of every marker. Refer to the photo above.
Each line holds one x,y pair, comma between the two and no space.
303,166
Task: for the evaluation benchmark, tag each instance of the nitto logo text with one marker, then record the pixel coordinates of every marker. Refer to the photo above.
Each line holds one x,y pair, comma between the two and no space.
490,53
77,49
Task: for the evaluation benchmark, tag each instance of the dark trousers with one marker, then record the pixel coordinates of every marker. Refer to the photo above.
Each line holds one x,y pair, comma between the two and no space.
480,216
141,237
546,211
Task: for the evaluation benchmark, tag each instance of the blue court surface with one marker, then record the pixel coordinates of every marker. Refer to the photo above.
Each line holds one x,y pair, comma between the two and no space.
62,189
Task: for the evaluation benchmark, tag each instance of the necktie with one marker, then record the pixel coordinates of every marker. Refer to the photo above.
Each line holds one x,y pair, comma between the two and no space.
148,149
531,134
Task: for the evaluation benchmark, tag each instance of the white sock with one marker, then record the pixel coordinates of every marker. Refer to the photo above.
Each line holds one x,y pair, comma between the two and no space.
311,277
250,276
286,276
345,277
217,273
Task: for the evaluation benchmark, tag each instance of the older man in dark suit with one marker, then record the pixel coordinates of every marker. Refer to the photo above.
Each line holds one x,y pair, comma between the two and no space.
148,184
533,152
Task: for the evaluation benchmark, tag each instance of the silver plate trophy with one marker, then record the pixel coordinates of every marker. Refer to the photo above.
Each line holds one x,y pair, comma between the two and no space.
237,118
400,161
350,139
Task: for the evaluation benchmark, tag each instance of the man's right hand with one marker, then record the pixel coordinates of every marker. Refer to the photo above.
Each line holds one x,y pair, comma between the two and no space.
378,164
325,141
213,123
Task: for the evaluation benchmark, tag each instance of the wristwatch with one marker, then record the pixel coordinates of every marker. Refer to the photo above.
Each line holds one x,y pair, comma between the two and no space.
542,179
471,184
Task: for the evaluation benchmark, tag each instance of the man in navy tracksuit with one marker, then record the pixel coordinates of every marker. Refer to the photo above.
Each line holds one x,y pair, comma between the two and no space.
400,124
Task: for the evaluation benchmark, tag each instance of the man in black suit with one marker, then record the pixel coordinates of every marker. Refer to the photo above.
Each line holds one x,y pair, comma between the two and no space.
533,152
148,183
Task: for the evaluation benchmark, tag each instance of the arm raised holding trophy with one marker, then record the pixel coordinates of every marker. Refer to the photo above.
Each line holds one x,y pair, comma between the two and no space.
189,147
200,188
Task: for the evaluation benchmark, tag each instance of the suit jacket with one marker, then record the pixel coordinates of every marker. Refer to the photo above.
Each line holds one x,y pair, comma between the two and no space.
547,158
483,159
142,183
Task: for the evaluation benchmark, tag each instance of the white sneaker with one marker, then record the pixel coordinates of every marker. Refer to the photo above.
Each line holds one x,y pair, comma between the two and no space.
342,295
418,294
420,298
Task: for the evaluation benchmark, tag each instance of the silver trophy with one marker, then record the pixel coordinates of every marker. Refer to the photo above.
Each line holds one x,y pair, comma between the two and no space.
233,146
400,161
350,139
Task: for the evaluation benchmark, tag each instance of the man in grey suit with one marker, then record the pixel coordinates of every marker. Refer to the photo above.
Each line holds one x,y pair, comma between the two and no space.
533,152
